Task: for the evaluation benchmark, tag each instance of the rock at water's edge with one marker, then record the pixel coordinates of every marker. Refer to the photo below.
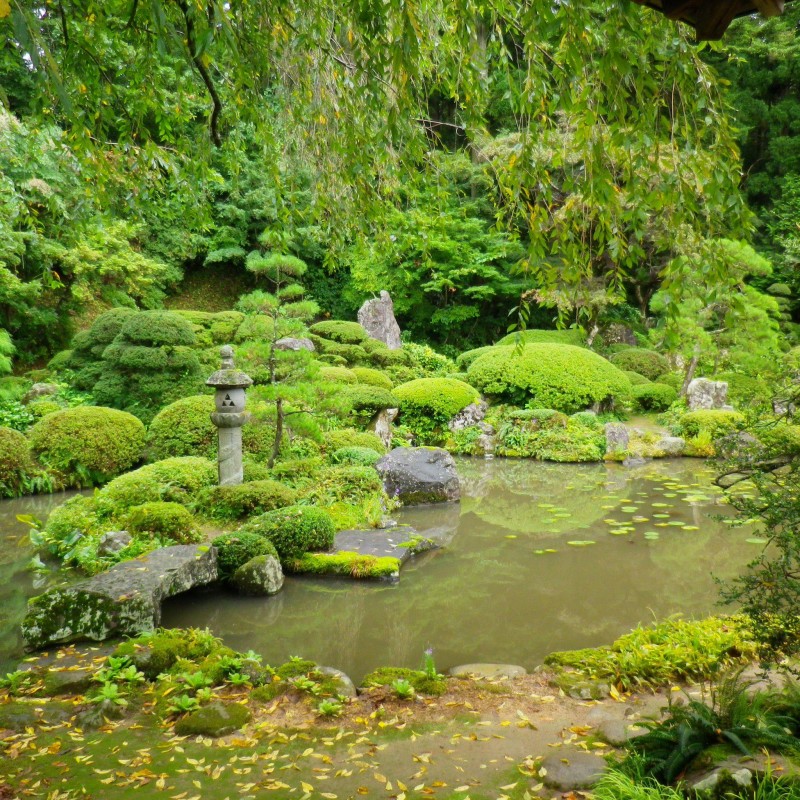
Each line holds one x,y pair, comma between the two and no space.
261,575
125,601
415,475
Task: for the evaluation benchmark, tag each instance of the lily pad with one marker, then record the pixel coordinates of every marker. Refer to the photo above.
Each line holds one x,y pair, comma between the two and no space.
581,542
629,509
756,540
690,528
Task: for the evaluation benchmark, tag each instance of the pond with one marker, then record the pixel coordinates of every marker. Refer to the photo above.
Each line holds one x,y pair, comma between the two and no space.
542,557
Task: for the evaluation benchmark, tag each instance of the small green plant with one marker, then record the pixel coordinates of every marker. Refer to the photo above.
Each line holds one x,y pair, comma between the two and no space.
237,679
428,664
183,703
330,708
305,684
403,689
195,680
16,681
109,694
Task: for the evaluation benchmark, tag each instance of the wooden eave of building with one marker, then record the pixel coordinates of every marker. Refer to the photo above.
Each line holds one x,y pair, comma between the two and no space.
711,18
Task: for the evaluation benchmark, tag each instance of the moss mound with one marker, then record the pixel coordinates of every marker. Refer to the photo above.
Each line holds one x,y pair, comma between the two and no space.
215,719
88,445
294,530
167,520
637,359
157,652
253,497
183,428
421,681
16,465
373,377
558,376
236,549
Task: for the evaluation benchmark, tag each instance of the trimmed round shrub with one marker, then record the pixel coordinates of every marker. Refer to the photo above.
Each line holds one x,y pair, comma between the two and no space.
368,400
372,377
253,497
672,379
351,353
183,428
654,396
360,456
158,328
557,376
236,549
340,331
294,530
427,360
435,399
572,336
464,360
41,408
60,360
645,362
349,437
337,374
76,514
635,378
87,445
169,520
345,484
89,345
715,422
16,464
333,360
173,479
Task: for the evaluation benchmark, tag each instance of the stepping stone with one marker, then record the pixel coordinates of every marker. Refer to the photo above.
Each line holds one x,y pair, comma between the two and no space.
400,542
490,671
124,601
572,769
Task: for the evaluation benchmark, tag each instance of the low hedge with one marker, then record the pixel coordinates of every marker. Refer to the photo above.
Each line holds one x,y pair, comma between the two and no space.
252,497
294,530
654,396
88,445
637,359
558,376
166,520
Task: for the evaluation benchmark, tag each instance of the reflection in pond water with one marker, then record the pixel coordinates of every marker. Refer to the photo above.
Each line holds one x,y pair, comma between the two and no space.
496,593
509,587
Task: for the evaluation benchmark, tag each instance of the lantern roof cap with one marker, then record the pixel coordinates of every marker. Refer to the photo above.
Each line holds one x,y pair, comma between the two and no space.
228,377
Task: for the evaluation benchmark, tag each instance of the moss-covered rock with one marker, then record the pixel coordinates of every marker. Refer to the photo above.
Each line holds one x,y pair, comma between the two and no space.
236,549
215,719
157,652
345,564
562,377
261,575
88,445
247,499
421,681
294,530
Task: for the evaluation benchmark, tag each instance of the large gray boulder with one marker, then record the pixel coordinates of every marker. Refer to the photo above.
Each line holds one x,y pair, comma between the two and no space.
292,343
376,317
261,575
39,390
124,601
617,437
471,415
703,394
416,475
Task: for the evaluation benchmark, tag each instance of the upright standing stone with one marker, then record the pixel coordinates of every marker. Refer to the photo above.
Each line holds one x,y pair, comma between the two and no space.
230,384
376,317
705,394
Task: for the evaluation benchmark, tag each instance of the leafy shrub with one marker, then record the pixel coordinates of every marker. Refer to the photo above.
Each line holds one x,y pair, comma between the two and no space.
654,396
76,515
346,483
254,497
372,377
427,404
572,336
562,377
588,419
714,422
15,415
236,549
173,479
349,437
183,428
340,331
87,445
337,374
41,408
16,465
572,441
421,681
368,400
464,361
254,328
294,530
361,456
169,520
672,379
13,388
149,364
646,362
88,346
427,360
60,360
635,378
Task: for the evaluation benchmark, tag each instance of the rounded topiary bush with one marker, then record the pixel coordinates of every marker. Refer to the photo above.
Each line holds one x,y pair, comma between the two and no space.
635,378
236,549
340,331
464,360
337,375
177,480
349,437
253,497
368,400
16,465
373,377
78,515
646,362
557,376
571,336
183,428
360,456
41,408
87,445
168,520
294,530
654,396
427,404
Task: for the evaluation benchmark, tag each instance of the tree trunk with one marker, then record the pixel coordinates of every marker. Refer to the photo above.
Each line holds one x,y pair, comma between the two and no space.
690,370
276,447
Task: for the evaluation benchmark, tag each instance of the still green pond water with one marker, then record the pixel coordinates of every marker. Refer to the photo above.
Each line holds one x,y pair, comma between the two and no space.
541,557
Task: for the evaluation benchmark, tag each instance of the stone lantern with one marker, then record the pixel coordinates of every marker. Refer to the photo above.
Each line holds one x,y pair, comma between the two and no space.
229,384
